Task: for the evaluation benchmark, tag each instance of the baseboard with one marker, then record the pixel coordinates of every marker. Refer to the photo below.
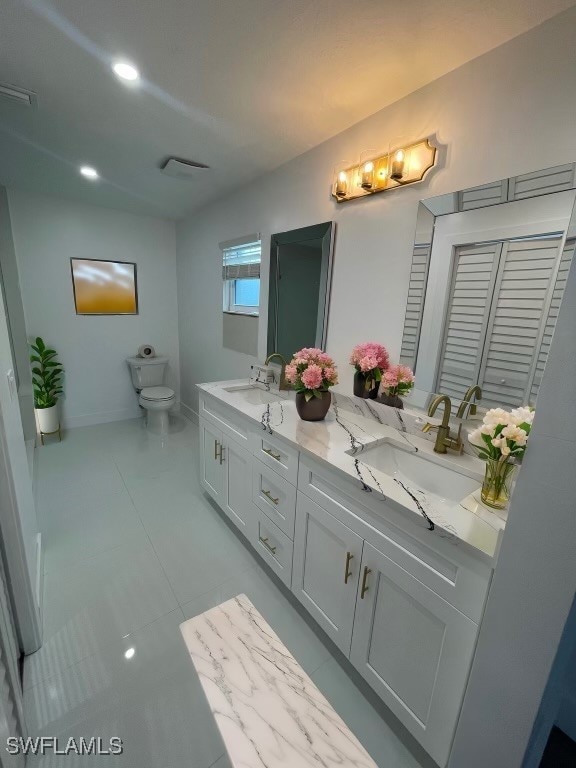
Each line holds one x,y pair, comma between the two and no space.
190,413
88,419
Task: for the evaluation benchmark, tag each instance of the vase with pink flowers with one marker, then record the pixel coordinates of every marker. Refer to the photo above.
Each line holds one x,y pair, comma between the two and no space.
312,372
370,360
396,383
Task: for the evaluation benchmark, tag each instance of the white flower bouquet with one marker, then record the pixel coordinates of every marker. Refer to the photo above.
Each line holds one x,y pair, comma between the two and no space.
503,434
500,440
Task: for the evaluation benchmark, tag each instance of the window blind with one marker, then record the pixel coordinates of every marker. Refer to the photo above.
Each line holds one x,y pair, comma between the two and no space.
241,260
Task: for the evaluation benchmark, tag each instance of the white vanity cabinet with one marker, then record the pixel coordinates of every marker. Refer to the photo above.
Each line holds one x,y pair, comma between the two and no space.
403,603
326,567
413,648
226,465
211,472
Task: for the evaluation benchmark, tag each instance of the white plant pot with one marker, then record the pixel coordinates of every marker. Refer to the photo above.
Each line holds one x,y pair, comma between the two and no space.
48,419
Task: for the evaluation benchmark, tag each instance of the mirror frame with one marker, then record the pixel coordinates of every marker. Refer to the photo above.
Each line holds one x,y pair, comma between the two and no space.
325,232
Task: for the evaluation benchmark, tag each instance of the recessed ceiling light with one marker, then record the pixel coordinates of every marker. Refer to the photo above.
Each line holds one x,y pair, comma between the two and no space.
89,173
125,70
129,653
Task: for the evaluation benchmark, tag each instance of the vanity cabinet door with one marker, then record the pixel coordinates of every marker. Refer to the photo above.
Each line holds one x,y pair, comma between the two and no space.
414,649
238,506
325,569
211,467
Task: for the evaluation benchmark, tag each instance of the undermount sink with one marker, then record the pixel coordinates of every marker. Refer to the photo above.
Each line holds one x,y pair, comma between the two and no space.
419,472
254,395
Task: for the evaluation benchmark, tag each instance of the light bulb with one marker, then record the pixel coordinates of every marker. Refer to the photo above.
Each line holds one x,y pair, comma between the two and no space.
125,71
89,173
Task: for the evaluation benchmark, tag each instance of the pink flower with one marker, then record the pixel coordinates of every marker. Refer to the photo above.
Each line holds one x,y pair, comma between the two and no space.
331,375
312,377
368,363
372,350
398,380
291,373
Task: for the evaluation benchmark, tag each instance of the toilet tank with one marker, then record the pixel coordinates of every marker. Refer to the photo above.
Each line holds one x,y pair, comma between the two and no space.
147,371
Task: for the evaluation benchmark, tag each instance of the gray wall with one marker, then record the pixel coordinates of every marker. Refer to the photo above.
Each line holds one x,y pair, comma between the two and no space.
47,233
15,313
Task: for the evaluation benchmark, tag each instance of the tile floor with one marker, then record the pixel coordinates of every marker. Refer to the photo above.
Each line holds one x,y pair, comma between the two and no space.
132,548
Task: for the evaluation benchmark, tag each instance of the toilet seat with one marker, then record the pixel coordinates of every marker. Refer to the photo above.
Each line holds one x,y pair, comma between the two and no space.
157,394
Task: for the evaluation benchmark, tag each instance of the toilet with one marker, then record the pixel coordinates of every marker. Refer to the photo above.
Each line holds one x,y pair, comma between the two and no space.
156,399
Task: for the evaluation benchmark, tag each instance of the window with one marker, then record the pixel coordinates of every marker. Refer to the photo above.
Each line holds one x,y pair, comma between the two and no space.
241,275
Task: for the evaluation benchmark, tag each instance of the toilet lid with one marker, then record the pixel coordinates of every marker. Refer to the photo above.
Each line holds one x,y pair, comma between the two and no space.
157,393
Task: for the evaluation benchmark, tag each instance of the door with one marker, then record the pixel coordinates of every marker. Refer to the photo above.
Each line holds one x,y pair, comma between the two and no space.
325,571
414,649
211,461
237,470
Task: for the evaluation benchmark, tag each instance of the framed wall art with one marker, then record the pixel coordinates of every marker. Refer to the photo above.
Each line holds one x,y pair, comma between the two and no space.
103,287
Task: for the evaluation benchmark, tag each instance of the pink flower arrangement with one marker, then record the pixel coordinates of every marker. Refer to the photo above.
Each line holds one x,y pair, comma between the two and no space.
370,359
311,371
398,380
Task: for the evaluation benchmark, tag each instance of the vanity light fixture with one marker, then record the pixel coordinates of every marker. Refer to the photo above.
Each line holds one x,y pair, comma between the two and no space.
402,166
126,71
89,173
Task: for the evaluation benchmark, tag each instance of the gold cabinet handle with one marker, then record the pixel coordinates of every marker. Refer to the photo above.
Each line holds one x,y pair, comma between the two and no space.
347,571
218,453
221,457
271,453
215,449
268,546
269,496
364,585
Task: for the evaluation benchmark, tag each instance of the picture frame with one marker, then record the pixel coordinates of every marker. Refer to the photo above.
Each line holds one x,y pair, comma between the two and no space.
104,286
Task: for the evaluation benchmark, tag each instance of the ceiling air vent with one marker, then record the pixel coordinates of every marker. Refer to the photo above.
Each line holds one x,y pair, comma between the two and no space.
17,95
181,169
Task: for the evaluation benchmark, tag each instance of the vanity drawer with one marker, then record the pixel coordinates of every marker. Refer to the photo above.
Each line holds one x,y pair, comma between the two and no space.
274,547
276,454
453,574
275,496
231,424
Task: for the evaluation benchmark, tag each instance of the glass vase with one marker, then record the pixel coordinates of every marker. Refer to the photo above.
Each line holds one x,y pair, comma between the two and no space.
497,483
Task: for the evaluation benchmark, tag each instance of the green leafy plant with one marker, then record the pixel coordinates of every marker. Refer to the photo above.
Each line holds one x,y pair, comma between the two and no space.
46,375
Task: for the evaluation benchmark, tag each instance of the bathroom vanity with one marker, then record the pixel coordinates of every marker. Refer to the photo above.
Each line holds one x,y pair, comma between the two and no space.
378,537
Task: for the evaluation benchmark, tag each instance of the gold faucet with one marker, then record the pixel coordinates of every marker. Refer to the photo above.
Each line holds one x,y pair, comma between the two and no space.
284,385
466,401
444,439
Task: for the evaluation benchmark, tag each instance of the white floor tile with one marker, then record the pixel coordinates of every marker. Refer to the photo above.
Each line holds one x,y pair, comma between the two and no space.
89,604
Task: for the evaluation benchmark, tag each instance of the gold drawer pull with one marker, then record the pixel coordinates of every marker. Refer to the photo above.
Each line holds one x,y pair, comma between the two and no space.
347,571
364,578
268,546
271,453
269,496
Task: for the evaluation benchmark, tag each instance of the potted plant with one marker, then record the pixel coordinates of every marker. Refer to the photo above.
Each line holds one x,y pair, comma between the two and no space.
46,381
396,383
370,360
311,372
501,443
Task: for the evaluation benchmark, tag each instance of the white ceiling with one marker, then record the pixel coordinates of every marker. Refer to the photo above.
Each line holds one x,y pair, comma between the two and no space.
242,85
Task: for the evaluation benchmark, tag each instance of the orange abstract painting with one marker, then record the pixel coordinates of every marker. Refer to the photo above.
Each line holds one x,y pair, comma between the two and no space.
104,287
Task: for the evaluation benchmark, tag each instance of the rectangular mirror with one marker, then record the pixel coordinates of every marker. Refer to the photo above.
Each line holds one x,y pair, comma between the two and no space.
299,295
489,267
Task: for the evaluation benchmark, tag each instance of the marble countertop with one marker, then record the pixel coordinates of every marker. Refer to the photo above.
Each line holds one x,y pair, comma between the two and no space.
269,712
351,427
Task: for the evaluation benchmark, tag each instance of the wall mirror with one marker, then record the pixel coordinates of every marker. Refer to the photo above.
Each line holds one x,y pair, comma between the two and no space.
489,266
299,294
